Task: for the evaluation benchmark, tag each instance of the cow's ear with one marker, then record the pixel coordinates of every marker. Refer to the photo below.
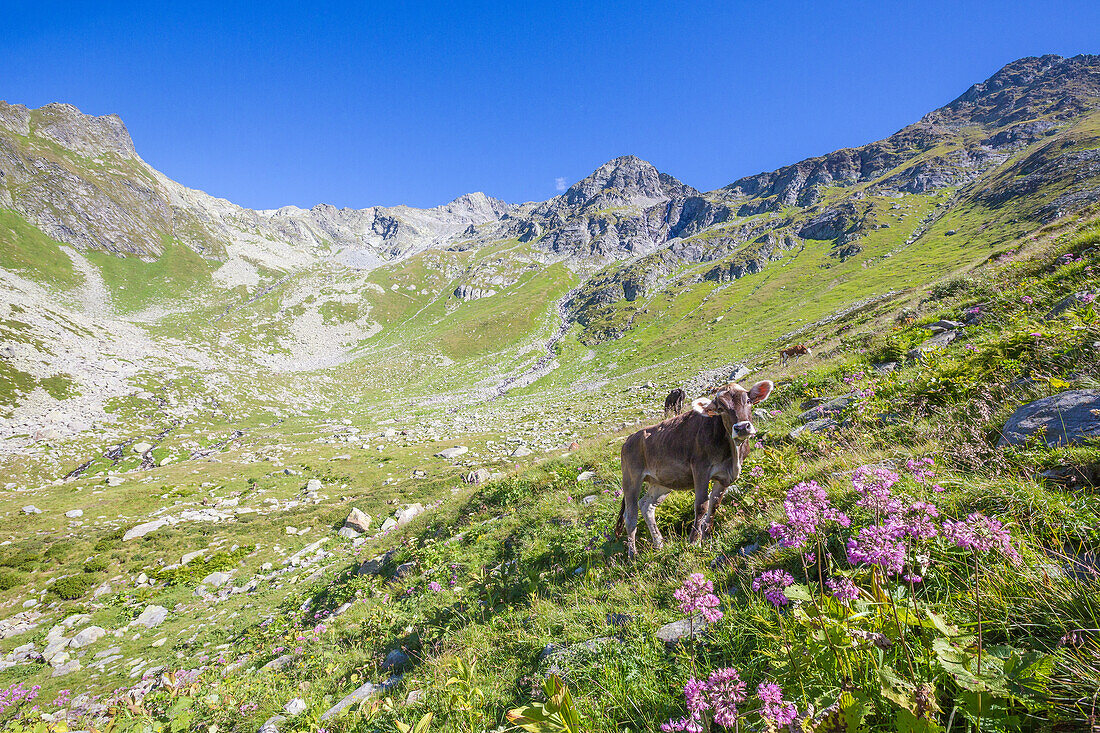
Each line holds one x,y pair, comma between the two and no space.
760,391
705,406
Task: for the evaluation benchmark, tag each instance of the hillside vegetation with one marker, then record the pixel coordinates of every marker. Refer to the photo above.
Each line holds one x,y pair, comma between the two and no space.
305,470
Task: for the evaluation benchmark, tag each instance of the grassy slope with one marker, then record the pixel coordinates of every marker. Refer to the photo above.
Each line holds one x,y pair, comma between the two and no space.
543,572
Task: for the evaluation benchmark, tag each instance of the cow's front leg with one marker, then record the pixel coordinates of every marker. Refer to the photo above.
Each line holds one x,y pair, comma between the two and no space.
713,505
648,507
702,501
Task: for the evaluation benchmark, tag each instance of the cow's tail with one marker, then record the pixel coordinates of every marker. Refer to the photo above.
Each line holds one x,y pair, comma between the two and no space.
620,523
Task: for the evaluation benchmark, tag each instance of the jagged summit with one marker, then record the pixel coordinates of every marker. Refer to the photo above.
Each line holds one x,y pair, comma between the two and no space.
626,180
1026,89
64,124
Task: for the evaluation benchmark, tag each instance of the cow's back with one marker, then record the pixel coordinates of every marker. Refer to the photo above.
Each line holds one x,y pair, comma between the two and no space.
666,451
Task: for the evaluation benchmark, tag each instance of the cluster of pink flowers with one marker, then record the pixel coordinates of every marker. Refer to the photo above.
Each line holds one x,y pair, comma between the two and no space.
435,587
62,699
1026,299
807,506
772,583
15,695
720,694
873,484
980,534
921,468
878,545
774,707
696,595
856,377
842,589
917,521
756,471
1088,298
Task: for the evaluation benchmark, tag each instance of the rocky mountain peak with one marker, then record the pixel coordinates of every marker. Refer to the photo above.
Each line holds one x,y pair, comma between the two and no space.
476,206
1025,89
626,180
64,124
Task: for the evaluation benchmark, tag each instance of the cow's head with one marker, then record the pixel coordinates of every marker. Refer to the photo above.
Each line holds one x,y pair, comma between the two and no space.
734,404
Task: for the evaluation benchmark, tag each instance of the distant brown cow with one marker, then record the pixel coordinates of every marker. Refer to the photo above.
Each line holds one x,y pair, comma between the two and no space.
793,352
674,403
704,445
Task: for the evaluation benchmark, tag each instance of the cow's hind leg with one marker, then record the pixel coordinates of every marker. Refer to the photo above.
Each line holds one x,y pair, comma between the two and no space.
702,507
648,507
632,487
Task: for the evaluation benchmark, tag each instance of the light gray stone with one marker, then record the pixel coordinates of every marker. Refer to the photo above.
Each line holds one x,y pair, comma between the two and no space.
87,636
145,528
450,453
151,617
365,692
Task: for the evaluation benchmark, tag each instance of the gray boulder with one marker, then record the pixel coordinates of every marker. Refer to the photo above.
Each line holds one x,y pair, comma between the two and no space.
479,476
87,636
151,617
449,453
821,425
943,325
940,340
357,521
1065,418
1071,301
672,634
365,692
835,406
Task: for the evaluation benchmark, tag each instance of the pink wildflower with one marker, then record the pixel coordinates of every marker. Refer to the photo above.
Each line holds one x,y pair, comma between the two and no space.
775,708
807,506
842,589
771,583
696,595
980,534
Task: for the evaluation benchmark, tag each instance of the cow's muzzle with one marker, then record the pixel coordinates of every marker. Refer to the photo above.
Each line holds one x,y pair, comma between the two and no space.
743,430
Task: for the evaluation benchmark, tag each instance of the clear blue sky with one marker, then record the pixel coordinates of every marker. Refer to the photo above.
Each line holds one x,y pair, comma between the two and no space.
367,103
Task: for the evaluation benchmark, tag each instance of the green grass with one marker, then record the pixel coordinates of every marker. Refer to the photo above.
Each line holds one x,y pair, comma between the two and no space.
27,251
135,284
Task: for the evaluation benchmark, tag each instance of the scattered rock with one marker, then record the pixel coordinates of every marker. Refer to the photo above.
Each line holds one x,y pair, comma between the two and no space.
277,663
940,340
375,564
86,636
297,706
1063,419
395,661
217,579
521,451
31,509
677,631
142,448
586,476
449,453
835,406
943,325
884,367
1073,300
366,691
143,529
590,499
479,476
358,521
74,513
271,725
152,616
313,485
407,513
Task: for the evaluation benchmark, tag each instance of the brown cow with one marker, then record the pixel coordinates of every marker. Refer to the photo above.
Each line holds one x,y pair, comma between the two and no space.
793,352
674,403
704,445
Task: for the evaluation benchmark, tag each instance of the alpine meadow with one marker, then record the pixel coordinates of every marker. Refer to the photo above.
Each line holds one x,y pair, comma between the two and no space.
332,469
